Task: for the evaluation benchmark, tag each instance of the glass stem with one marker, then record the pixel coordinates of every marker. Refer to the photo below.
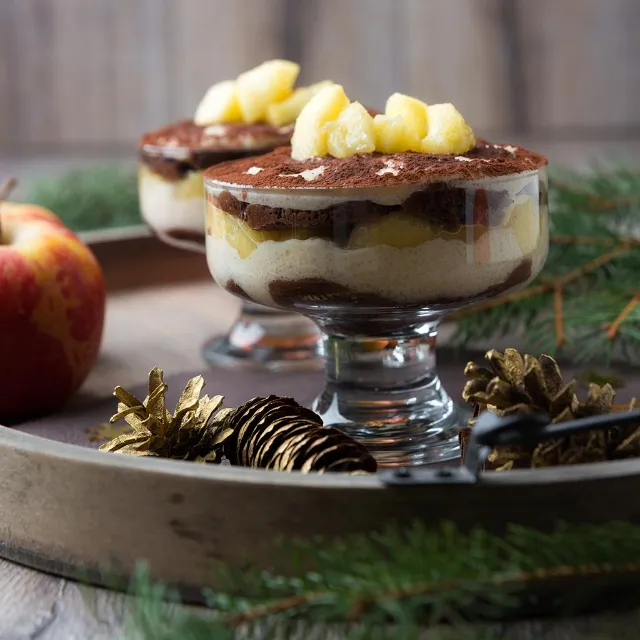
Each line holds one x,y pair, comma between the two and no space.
382,390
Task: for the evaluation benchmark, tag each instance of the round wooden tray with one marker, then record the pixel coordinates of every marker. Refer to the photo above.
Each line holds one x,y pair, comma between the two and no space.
66,507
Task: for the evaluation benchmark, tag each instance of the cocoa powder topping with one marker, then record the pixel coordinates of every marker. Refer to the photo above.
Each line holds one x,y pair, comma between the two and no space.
186,134
279,170
178,148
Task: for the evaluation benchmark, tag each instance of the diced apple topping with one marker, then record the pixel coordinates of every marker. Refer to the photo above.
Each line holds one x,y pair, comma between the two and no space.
328,124
220,104
398,229
447,131
393,135
281,113
411,110
270,82
524,219
310,134
353,132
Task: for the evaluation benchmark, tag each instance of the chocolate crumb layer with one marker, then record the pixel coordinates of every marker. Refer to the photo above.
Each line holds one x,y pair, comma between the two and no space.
184,234
188,135
233,287
174,150
198,160
279,171
298,294
443,205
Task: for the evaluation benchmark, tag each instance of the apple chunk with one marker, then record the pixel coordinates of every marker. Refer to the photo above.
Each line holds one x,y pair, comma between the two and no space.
281,113
447,131
351,133
398,229
220,104
393,135
310,135
270,82
411,110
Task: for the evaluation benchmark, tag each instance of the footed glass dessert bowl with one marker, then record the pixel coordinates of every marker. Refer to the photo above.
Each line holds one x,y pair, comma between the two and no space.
376,249
171,162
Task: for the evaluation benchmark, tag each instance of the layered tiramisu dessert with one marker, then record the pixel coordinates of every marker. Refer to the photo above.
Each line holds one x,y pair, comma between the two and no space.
236,118
377,212
375,227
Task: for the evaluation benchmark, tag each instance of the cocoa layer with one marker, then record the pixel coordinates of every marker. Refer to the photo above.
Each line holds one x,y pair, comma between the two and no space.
233,287
180,147
173,169
317,291
443,205
279,170
184,234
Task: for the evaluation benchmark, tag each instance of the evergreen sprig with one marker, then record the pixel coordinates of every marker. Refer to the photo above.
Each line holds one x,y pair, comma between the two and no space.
101,197
586,301
397,583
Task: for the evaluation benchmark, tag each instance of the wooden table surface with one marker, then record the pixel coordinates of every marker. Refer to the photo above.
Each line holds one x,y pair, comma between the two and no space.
147,325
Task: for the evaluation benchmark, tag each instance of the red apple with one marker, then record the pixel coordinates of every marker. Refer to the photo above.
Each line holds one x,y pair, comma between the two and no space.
52,306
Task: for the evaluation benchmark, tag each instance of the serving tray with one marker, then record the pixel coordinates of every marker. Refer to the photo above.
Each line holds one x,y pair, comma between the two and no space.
69,509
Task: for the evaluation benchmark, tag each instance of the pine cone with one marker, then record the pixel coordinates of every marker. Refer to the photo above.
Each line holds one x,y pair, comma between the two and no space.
515,385
196,430
279,434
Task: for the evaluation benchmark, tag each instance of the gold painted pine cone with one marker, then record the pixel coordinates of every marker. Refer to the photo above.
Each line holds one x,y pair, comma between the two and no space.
272,433
513,384
195,431
279,434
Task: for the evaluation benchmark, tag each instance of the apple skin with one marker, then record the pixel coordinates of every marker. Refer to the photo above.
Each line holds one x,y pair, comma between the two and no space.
52,309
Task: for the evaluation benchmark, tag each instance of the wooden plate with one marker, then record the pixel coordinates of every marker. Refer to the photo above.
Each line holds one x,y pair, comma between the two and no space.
65,505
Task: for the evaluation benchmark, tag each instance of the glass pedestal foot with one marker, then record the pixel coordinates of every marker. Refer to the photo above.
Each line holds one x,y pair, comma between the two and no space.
264,339
386,394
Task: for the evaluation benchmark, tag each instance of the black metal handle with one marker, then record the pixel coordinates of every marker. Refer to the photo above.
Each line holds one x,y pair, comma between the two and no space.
492,431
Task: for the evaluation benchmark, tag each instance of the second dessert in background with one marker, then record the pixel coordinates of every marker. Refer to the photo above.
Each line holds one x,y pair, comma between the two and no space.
238,118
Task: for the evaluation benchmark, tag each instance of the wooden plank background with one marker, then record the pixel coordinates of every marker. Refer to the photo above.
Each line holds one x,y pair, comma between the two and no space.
89,76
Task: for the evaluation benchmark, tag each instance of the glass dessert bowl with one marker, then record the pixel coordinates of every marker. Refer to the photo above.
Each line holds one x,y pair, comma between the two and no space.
376,253
376,227
171,163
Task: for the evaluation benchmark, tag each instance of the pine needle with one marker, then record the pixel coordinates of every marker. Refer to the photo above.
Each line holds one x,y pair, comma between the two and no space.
585,303
402,581
88,199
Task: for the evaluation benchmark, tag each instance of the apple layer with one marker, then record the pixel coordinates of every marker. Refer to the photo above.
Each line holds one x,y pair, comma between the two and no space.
172,206
408,262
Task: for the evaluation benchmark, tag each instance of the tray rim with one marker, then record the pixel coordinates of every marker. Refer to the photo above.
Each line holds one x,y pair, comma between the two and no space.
27,443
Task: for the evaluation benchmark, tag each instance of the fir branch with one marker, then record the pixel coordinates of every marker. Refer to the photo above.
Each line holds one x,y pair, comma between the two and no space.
613,328
583,304
406,580
88,199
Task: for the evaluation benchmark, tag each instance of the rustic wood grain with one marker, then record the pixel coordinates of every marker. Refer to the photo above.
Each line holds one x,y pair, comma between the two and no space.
216,40
144,91
8,102
80,72
94,75
36,605
581,68
354,43
454,51
26,28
